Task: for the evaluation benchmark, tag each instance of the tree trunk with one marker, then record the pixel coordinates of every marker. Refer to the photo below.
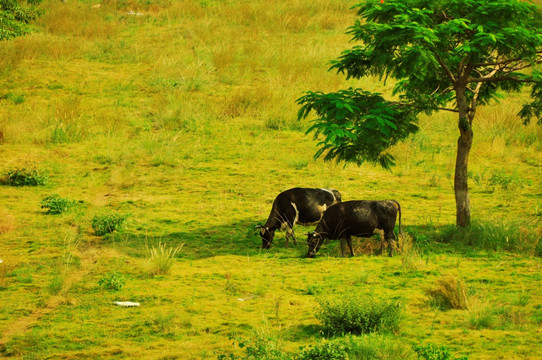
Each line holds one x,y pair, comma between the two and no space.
462,200
464,143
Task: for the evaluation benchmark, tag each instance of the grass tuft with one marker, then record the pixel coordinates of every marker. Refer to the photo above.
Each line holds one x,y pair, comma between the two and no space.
448,293
161,259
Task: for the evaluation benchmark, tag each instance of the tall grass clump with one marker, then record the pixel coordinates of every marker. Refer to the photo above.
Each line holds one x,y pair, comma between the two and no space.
161,259
361,314
481,314
495,236
449,292
410,257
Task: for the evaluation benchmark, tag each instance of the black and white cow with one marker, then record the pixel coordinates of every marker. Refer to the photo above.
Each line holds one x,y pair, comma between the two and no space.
303,206
356,218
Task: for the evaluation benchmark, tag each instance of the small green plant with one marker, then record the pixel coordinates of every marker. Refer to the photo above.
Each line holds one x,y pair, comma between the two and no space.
325,351
112,281
433,352
108,222
298,164
506,182
448,293
522,299
366,347
161,259
55,204
359,315
26,177
261,347
55,285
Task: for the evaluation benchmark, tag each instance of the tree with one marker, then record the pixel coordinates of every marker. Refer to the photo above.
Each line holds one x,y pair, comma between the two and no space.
15,18
444,55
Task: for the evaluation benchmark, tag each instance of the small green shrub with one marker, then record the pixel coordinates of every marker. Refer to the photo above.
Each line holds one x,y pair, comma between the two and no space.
56,204
108,222
112,281
359,315
26,177
433,352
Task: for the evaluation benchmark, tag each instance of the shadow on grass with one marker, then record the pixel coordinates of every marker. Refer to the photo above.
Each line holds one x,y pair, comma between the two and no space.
241,238
237,238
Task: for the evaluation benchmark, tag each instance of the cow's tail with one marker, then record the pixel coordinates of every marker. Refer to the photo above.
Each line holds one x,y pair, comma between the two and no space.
399,209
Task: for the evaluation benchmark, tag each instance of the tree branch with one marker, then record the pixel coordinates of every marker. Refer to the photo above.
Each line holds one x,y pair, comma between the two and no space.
505,62
443,65
499,78
447,109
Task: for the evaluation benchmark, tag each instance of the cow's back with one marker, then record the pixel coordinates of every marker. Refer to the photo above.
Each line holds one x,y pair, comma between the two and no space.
353,218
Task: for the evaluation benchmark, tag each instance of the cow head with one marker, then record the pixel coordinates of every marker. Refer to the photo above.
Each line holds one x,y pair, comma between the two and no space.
314,241
267,236
337,195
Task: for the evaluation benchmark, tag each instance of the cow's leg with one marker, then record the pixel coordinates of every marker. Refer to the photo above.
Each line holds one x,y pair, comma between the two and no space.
349,242
389,235
382,240
290,235
342,247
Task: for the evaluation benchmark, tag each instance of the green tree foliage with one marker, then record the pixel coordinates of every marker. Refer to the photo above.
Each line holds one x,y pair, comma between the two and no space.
443,55
15,17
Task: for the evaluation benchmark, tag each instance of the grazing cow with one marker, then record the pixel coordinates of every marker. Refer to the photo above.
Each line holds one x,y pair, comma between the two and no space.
298,205
356,218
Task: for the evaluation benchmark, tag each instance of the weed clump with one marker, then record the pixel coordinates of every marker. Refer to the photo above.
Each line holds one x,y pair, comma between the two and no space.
359,315
112,281
55,204
433,352
448,293
106,223
26,177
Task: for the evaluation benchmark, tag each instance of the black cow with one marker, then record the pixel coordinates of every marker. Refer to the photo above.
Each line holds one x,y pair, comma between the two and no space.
356,218
298,205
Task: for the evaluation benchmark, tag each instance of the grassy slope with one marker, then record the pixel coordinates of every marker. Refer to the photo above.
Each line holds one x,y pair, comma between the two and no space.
185,118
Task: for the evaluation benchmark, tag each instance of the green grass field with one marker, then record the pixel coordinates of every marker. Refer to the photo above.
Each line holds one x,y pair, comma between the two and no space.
183,119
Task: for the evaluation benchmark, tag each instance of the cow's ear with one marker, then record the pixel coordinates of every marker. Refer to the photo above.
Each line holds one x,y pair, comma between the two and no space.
262,230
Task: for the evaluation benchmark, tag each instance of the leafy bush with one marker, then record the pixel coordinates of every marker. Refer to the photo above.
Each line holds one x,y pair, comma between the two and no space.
26,177
112,281
161,259
108,222
359,315
56,204
432,352
448,293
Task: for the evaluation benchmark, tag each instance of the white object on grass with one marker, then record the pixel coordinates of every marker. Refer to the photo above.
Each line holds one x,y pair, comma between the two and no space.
126,303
